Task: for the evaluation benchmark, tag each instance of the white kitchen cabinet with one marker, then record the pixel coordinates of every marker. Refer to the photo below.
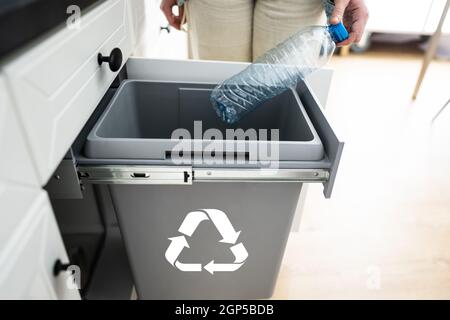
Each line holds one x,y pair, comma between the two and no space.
57,83
16,164
30,244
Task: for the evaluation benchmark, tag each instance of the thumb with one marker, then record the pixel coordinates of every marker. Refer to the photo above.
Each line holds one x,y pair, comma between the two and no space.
338,12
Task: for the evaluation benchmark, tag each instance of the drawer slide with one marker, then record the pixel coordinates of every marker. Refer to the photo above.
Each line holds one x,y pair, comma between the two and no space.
135,175
166,175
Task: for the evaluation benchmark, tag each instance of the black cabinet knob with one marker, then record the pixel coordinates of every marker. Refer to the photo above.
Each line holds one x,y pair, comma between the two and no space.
60,267
114,59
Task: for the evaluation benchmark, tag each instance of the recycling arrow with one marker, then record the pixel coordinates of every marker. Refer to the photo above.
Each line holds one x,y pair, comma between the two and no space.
191,222
176,246
188,267
223,225
240,253
212,267
226,230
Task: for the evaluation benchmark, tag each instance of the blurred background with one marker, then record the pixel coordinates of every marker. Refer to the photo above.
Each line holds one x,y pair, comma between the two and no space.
386,231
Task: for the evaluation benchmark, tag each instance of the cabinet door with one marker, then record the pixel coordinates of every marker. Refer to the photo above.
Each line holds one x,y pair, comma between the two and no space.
57,83
16,164
30,244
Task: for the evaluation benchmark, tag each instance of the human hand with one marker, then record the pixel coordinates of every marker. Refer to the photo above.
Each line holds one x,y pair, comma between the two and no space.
174,21
354,15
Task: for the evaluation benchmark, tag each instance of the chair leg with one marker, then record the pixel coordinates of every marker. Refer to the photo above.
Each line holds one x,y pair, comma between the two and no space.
431,51
440,111
345,51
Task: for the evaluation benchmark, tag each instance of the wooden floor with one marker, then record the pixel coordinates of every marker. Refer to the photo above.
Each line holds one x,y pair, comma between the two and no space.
386,231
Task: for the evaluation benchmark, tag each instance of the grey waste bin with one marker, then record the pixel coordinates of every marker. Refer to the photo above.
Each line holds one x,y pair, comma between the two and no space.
200,230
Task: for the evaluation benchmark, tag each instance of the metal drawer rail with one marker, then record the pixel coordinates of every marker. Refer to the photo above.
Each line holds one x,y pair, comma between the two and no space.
187,175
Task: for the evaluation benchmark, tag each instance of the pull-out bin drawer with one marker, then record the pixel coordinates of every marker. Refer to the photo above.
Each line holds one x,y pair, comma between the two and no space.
144,120
204,229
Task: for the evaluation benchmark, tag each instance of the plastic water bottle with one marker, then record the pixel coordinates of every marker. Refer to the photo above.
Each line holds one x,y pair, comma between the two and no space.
277,70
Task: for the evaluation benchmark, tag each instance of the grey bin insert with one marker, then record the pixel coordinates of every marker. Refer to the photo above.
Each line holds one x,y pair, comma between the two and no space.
138,124
141,118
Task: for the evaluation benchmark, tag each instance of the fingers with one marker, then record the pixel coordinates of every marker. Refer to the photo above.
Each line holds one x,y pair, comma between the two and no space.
351,39
355,22
178,20
360,22
358,30
166,8
338,12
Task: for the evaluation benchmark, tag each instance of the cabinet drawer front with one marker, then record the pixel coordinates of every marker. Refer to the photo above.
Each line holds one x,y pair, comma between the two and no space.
30,245
58,83
17,167
53,250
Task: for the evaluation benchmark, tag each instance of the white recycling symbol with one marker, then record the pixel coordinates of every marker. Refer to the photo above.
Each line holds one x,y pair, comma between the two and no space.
226,230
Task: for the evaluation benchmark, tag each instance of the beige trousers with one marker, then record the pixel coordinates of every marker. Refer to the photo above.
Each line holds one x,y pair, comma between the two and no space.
242,30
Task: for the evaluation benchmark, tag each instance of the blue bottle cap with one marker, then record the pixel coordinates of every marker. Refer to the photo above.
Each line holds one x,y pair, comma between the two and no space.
338,32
